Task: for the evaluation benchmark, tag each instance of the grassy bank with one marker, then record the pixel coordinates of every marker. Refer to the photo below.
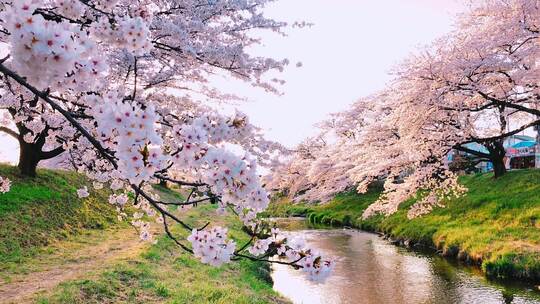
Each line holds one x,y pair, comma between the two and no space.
41,210
41,217
166,274
496,224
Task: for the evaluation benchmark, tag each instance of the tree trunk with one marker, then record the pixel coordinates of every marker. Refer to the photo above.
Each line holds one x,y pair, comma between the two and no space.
29,157
499,168
496,156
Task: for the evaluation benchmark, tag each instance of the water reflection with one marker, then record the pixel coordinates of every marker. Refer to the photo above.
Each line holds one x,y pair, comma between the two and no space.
371,270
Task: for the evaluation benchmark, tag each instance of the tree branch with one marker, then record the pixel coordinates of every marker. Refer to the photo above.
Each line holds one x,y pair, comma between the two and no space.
502,136
10,132
52,153
470,151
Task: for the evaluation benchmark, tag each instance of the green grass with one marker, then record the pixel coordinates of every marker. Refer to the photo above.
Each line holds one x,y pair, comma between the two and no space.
496,224
38,211
168,194
165,274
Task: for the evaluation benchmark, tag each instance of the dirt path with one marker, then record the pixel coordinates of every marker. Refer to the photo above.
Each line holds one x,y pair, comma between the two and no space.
70,260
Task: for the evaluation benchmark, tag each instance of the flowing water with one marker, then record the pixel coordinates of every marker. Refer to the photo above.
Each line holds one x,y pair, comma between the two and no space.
371,270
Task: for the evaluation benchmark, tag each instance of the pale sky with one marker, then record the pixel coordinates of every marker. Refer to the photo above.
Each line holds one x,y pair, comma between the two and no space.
346,54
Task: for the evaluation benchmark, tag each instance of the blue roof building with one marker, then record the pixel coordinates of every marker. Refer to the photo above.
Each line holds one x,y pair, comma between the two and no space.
520,152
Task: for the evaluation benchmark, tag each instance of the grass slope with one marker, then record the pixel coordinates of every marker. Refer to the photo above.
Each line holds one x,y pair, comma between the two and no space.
166,274
496,224
38,211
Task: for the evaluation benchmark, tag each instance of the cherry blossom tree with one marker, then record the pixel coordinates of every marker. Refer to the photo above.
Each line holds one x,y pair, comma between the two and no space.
102,81
291,176
486,72
185,51
462,89
37,140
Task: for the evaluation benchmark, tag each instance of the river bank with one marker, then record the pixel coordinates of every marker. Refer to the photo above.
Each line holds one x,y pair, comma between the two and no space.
496,225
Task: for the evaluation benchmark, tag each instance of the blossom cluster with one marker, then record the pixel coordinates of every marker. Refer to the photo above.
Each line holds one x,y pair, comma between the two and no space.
48,53
70,8
313,264
131,34
83,192
260,247
209,129
144,229
5,184
131,132
118,199
316,267
235,180
296,252
106,5
212,246
230,176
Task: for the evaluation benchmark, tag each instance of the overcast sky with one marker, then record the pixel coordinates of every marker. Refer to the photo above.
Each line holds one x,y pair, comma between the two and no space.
346,54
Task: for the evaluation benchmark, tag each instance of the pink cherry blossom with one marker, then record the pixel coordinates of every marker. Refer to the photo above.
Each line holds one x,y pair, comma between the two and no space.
5,184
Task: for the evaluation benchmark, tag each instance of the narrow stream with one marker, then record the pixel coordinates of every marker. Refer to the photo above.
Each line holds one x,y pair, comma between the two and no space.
371,270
